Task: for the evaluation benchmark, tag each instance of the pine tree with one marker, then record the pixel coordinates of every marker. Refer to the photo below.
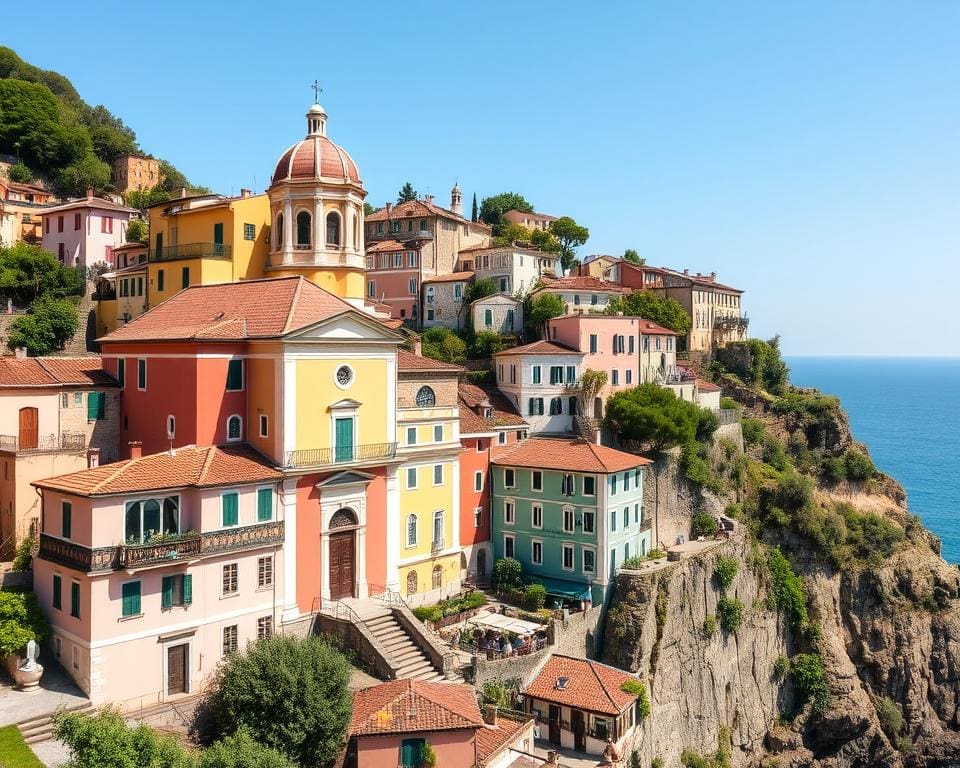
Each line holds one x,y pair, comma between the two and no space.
406,194
473,216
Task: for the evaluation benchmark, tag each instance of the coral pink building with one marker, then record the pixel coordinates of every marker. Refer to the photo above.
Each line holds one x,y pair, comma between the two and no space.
394,277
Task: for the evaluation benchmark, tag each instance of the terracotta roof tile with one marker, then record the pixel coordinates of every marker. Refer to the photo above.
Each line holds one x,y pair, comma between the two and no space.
590,685
573,455
453,277
492,739
188,466
412,706
299,161
540,348
385,246
53,372
472,423
504,414
248,309
419,208
650,328
407,361
580,284
708,386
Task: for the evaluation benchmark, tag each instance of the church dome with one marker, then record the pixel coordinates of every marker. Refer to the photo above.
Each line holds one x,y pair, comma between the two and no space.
316,157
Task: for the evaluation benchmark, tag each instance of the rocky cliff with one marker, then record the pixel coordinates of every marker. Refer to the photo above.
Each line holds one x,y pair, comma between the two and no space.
877,607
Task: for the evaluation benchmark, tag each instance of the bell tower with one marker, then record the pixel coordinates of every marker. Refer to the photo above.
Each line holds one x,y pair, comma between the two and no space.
456,200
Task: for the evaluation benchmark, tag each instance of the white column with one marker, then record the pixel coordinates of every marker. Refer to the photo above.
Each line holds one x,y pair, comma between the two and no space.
324,564
348,217
290,609
319,229
287,230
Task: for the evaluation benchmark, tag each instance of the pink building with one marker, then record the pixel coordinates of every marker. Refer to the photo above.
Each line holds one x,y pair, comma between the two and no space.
394,277
84,232
394,723
151,570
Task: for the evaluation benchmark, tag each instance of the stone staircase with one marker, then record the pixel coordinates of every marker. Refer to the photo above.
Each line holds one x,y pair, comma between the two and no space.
38,729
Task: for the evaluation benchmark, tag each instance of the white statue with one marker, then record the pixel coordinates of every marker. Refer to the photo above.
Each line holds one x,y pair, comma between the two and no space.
30,663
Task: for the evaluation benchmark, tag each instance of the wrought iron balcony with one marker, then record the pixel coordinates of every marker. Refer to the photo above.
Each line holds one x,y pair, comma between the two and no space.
67,441
726,322
401,237
192,251
182,547
339,456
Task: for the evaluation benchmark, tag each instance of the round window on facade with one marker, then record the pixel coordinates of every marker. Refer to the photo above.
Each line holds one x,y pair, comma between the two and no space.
344,376
426,397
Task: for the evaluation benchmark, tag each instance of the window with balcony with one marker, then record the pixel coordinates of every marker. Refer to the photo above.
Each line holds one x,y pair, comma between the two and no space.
149,518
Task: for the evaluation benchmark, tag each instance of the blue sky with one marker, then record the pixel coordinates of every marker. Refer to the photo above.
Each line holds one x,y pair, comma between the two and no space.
807,152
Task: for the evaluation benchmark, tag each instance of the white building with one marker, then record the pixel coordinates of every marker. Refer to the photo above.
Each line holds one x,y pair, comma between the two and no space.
541,380
586,294
515,270
84,232
500,313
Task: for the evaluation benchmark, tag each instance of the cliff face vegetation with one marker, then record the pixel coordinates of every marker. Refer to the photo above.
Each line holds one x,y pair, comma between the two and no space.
825,630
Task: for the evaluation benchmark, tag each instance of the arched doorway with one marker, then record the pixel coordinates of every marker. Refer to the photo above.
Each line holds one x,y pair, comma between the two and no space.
482,563
342,557
597,408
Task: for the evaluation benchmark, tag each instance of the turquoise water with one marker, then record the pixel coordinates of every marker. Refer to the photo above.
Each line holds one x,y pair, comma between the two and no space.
907,411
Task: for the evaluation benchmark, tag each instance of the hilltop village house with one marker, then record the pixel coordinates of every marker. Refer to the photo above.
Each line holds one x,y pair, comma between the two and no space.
85,231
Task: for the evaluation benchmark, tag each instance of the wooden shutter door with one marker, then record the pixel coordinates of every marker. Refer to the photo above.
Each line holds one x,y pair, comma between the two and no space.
29,436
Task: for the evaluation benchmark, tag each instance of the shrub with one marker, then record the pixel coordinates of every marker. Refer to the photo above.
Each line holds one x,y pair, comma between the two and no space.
729,403
725,571
137,231
104,740
709,626
697,469
506,573
23,556
809,677
444,345
485,344
752,431
702,524
707,423
834,469
497,694
20,173
869,536
774,454
652,415
656,554
633,562
788,591
891,720
428,612
638,689
781,668
46,327
730,613
241,750
428,758
859,465
657,762
534,597
291,693
21,620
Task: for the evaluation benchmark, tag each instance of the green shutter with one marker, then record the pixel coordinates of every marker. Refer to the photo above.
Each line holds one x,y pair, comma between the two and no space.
96,403
131,598
187,589
75,600
122,371
66,519
142,374
160,280
218,233
235,375
166,593
488,317
57,593
230,509
264,504
344,440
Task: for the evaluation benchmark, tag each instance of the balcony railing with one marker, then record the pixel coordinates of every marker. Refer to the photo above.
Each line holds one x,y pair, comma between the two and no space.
726,322
340,455
187,546
436,545
67,441
191,251
401,237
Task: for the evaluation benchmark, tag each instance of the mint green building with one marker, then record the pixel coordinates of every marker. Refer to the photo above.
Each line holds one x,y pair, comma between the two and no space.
570,511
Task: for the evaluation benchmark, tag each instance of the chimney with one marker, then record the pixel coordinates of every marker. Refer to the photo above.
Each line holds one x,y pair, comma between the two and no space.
490,715
183,191
89,193
686,272
93,458
136,449
713,275
245,193
389,207
21,353
428,199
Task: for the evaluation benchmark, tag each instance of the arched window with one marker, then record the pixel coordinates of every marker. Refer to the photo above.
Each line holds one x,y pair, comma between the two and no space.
342,518
234,428
411,530
333,228
412,583
426,397
279,231
436,578
437,530
303,230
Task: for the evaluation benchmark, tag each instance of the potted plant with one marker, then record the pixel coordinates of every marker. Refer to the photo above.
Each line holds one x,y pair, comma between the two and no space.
21,621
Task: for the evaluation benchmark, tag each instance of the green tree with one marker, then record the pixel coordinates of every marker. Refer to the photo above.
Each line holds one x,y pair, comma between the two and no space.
506,573
20,173
492,208
21,621
473,212
406,193
368,209
544,240
479,289
633,257
291,693
653,415
544,307
89,171
27,272
444,345
33,123
105,740
137,231
485,344
144,198
46,327
509,233
571,236
241,750
660,309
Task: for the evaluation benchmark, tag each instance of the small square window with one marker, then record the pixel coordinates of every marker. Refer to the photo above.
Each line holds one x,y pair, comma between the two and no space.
249,232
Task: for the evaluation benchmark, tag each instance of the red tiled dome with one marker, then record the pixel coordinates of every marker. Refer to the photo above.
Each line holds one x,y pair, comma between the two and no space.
300,162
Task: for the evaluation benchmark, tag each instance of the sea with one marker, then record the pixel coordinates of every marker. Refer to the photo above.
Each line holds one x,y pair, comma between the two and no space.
907,412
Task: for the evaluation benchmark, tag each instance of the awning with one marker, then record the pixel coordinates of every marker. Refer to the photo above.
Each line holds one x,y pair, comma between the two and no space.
574,590
505,623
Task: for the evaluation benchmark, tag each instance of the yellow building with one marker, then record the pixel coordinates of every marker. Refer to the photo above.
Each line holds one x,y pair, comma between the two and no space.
426,558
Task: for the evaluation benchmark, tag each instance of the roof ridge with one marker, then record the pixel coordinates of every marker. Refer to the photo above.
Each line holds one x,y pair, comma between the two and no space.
603,686
293,304
121,466
208,460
